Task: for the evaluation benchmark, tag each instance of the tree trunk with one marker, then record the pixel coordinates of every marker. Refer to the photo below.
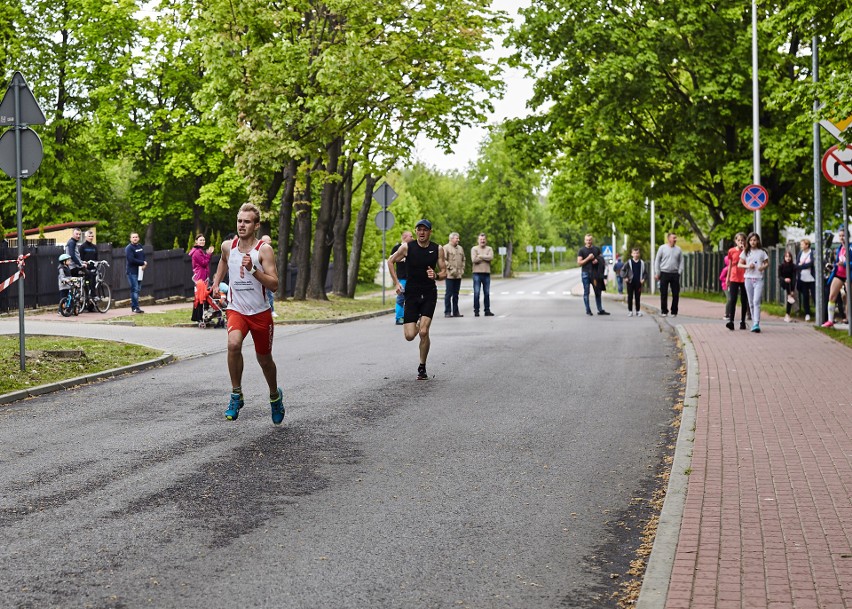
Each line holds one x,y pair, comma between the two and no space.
269,196
302,238
358,236
341,229
322,231
507,269
285,222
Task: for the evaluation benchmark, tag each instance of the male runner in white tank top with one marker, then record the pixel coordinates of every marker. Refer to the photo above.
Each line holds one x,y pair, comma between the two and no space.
250,264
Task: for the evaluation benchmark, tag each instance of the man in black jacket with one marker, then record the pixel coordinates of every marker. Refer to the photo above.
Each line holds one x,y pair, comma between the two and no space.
134,255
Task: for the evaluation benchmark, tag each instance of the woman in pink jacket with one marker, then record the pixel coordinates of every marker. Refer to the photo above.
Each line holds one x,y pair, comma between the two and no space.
200,259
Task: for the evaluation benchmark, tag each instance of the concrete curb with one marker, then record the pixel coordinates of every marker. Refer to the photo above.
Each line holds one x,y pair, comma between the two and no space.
655,583
15,396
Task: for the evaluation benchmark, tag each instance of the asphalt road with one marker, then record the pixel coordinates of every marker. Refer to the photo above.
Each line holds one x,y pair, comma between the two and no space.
507,480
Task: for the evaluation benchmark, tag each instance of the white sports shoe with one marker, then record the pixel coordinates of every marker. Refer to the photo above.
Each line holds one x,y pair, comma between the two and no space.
807,317
630,314
639,313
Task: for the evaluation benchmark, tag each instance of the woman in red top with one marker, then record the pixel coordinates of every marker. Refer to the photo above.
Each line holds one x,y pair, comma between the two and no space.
736,283
837,278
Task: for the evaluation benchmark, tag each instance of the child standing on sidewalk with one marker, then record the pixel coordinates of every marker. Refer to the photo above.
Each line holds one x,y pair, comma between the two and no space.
736,283
754,260
633,273
787,277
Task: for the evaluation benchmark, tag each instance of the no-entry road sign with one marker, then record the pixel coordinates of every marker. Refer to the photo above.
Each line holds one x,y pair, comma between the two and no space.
837,166
754,197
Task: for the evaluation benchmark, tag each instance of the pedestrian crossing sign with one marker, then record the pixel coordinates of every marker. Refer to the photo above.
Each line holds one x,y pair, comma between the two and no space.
606,251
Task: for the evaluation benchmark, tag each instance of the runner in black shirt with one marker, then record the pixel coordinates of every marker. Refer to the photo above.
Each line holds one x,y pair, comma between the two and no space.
421,294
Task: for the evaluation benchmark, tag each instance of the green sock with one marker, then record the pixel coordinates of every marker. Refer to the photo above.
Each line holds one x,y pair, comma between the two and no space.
237,390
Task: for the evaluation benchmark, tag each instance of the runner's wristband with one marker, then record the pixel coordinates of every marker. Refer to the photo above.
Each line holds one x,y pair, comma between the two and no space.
253,270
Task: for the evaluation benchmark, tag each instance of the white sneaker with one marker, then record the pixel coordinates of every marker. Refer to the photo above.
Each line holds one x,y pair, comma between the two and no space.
639,313
630,314
274,314
787,318
807,317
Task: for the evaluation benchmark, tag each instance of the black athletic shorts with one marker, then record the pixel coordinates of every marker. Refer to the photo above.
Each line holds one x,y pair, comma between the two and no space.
417,304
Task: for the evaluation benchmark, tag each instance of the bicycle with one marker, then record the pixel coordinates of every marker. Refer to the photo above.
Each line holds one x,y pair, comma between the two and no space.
72,304
99,296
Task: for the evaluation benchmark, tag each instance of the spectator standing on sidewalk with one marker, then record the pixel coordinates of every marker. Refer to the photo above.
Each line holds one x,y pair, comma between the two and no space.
619,278
736,283
590,260
402,277
134,259
481,256
668,267
633,274
88,249
72,248
754,260
787,277
200,259
837,278
88,256
806,279
454,255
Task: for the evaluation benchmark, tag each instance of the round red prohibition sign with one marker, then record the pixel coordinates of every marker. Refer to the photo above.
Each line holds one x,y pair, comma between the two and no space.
837,166
754,197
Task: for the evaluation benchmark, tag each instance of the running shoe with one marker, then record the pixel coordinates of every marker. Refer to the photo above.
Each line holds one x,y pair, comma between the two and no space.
828,324
756,329
234,406
277,406
421,373
730,325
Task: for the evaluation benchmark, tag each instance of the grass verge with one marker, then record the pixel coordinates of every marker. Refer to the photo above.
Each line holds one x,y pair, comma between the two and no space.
288,310
99,355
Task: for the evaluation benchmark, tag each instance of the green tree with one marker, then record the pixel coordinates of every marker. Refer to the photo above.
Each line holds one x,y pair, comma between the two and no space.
662,92
506,191
66,49
323,84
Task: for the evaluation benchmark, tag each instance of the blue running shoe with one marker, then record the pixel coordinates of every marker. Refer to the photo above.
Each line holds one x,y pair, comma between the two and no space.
277,406
234,406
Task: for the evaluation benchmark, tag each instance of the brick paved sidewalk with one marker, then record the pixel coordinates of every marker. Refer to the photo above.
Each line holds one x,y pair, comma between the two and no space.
768,518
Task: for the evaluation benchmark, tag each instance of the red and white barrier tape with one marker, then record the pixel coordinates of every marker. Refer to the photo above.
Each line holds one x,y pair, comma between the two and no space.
20,262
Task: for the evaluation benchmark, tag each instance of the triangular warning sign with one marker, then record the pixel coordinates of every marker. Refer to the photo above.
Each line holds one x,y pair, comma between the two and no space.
29,112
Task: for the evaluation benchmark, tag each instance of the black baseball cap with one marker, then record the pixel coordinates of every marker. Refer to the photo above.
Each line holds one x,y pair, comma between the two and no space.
424,222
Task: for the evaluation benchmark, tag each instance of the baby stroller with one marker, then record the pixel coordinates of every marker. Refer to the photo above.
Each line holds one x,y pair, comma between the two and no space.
210,311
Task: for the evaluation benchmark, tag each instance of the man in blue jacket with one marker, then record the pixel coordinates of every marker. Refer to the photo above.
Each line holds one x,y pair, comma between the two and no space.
134,255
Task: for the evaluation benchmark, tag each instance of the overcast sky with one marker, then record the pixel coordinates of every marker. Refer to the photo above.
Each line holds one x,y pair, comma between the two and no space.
513,104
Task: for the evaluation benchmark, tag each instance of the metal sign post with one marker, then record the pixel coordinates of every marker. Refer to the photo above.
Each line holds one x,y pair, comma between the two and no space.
385,195
837,169
20,161
848,284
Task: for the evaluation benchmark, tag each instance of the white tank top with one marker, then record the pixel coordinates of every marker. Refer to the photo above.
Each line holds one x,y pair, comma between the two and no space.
246,294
